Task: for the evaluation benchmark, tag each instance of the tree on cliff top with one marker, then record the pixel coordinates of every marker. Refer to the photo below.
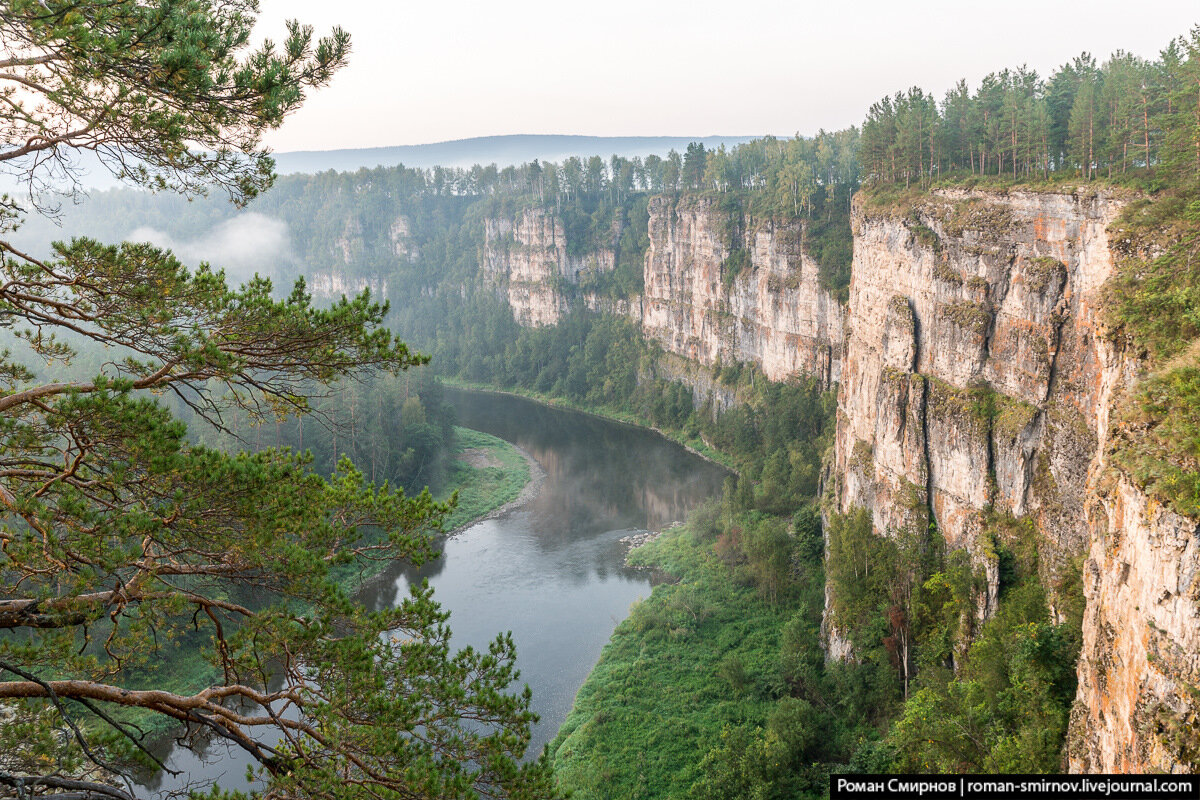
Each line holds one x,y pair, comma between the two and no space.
118,539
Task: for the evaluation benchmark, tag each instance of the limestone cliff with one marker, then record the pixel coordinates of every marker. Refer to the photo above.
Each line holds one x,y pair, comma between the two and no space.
977,382
529,260
349,248
974,366
347,253
333,285
772,312
1141,637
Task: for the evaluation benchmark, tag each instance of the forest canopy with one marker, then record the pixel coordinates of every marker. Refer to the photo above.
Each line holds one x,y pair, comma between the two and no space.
1086,119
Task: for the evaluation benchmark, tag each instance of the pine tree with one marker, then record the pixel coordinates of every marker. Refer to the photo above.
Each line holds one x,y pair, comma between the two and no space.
121,537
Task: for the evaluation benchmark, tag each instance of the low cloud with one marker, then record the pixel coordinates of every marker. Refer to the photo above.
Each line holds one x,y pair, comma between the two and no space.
242,246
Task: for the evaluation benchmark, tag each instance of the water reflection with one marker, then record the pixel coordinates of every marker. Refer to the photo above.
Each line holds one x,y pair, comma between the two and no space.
551,572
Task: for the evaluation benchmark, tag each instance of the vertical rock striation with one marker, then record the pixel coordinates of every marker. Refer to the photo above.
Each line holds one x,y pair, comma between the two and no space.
973,316
772,312
1140,664
528,258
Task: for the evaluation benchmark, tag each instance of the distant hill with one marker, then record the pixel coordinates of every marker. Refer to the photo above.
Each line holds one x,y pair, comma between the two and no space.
499,150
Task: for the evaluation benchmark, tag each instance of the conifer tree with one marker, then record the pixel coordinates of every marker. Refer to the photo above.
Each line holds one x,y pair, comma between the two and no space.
121,539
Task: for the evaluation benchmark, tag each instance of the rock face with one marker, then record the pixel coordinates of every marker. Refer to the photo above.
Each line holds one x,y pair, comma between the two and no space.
1141,637
528,259
772,312
976,382
353,244
401,238
348,252
332,285
973,320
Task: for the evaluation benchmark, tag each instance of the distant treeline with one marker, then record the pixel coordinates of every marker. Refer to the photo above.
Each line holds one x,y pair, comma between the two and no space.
790,172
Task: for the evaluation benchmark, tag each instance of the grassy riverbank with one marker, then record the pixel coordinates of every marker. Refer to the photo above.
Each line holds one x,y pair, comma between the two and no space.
487,472
698,665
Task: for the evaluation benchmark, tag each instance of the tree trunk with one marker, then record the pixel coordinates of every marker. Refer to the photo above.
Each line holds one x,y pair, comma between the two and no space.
1146,127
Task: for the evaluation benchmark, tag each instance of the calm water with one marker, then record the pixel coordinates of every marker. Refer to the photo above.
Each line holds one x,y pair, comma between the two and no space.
552,571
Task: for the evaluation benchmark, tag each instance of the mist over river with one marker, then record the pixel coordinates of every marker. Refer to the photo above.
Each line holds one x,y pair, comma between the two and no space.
551,571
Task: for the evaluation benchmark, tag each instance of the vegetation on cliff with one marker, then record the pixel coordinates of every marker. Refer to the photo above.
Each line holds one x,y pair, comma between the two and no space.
991,696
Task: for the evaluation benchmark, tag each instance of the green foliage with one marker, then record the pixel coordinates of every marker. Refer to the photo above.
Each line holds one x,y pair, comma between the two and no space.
996,699
1006,710
1117,121
974,317
710,647
1180,731
761,764
860,569
408,449
925,236
166,93
710,644
1150,303
480,489
1159,438
1005,706
1152,298
830,243
1044,272
732,266
125,542
943,613
978,406
665,677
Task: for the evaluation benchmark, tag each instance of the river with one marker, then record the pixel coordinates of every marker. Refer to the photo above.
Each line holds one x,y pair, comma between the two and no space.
551,571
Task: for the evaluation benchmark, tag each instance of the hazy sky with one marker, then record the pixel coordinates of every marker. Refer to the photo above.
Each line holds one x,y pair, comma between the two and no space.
430,71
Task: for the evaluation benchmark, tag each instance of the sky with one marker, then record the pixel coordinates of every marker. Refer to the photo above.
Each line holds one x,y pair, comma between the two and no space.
434,71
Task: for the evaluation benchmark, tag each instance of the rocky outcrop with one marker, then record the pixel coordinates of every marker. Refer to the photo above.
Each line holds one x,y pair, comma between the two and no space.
348,248
977,382
401,238
974,321
352,246
630,307
772,312
706,389
529,260
1137,708
333,285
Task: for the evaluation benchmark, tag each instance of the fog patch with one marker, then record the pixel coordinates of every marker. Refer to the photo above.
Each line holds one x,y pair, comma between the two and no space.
242,246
